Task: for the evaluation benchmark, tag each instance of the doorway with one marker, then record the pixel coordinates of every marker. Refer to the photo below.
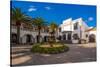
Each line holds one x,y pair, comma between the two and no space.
28,38
64,37
13,38
69,36
92,38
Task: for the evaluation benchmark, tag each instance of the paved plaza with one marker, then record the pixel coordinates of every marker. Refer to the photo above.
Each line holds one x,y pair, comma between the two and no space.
21,55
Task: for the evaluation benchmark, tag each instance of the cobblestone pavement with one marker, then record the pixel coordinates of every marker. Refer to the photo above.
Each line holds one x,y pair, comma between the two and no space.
21,55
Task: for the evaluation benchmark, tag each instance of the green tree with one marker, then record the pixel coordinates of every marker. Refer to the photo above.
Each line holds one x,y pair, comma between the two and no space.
39,23
18,17
53,28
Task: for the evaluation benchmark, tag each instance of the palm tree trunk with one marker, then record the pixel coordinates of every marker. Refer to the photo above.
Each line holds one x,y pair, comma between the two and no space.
39,36
53,36
51,40
18,34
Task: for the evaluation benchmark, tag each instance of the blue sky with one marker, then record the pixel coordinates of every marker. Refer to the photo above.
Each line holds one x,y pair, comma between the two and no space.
53,12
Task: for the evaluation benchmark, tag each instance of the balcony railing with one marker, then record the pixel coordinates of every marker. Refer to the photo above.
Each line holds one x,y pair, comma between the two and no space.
28,29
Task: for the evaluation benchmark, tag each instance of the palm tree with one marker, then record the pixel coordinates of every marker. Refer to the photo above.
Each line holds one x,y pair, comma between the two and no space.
18,17
40,24
53,28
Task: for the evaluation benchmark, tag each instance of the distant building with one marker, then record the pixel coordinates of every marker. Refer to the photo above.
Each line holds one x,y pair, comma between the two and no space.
92,34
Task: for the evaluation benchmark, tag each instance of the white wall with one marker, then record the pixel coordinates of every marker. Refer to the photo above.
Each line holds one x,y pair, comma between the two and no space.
67,25
23,34
84,27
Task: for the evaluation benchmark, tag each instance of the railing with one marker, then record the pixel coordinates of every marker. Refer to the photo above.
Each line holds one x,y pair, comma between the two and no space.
27,29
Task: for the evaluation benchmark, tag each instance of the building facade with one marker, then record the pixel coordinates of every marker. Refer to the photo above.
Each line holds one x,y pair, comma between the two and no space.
28,34
74,30
70,31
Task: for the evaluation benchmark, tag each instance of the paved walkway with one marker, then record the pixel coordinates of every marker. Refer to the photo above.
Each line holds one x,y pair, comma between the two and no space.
21,55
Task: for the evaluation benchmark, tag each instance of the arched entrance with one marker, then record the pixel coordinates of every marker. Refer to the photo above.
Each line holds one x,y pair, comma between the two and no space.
69,36
64,37
91,38
14,38
28,38
59,37
38,39
45,38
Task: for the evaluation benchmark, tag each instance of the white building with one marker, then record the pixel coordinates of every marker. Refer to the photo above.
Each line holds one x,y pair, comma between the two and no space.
92,34
70,31
74,31
27,35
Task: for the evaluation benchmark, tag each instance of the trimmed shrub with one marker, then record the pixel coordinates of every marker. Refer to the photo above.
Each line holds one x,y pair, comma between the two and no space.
49,50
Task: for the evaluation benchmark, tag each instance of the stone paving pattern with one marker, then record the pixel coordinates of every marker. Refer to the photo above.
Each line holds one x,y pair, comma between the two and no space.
21,55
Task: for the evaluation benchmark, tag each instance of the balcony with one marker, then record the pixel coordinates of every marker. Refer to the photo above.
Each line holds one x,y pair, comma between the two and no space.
28,29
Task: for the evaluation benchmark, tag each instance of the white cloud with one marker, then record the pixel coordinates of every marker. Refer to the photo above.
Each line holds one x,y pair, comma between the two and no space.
48,8
90,18
32,8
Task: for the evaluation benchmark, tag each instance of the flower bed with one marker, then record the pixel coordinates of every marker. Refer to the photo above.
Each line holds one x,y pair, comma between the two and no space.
45,48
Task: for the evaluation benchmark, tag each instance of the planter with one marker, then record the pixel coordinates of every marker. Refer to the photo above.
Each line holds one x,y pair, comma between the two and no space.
82,41
75,41
46,49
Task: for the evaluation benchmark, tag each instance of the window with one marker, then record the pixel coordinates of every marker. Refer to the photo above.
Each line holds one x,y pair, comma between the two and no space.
75,36
86,35
76,26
